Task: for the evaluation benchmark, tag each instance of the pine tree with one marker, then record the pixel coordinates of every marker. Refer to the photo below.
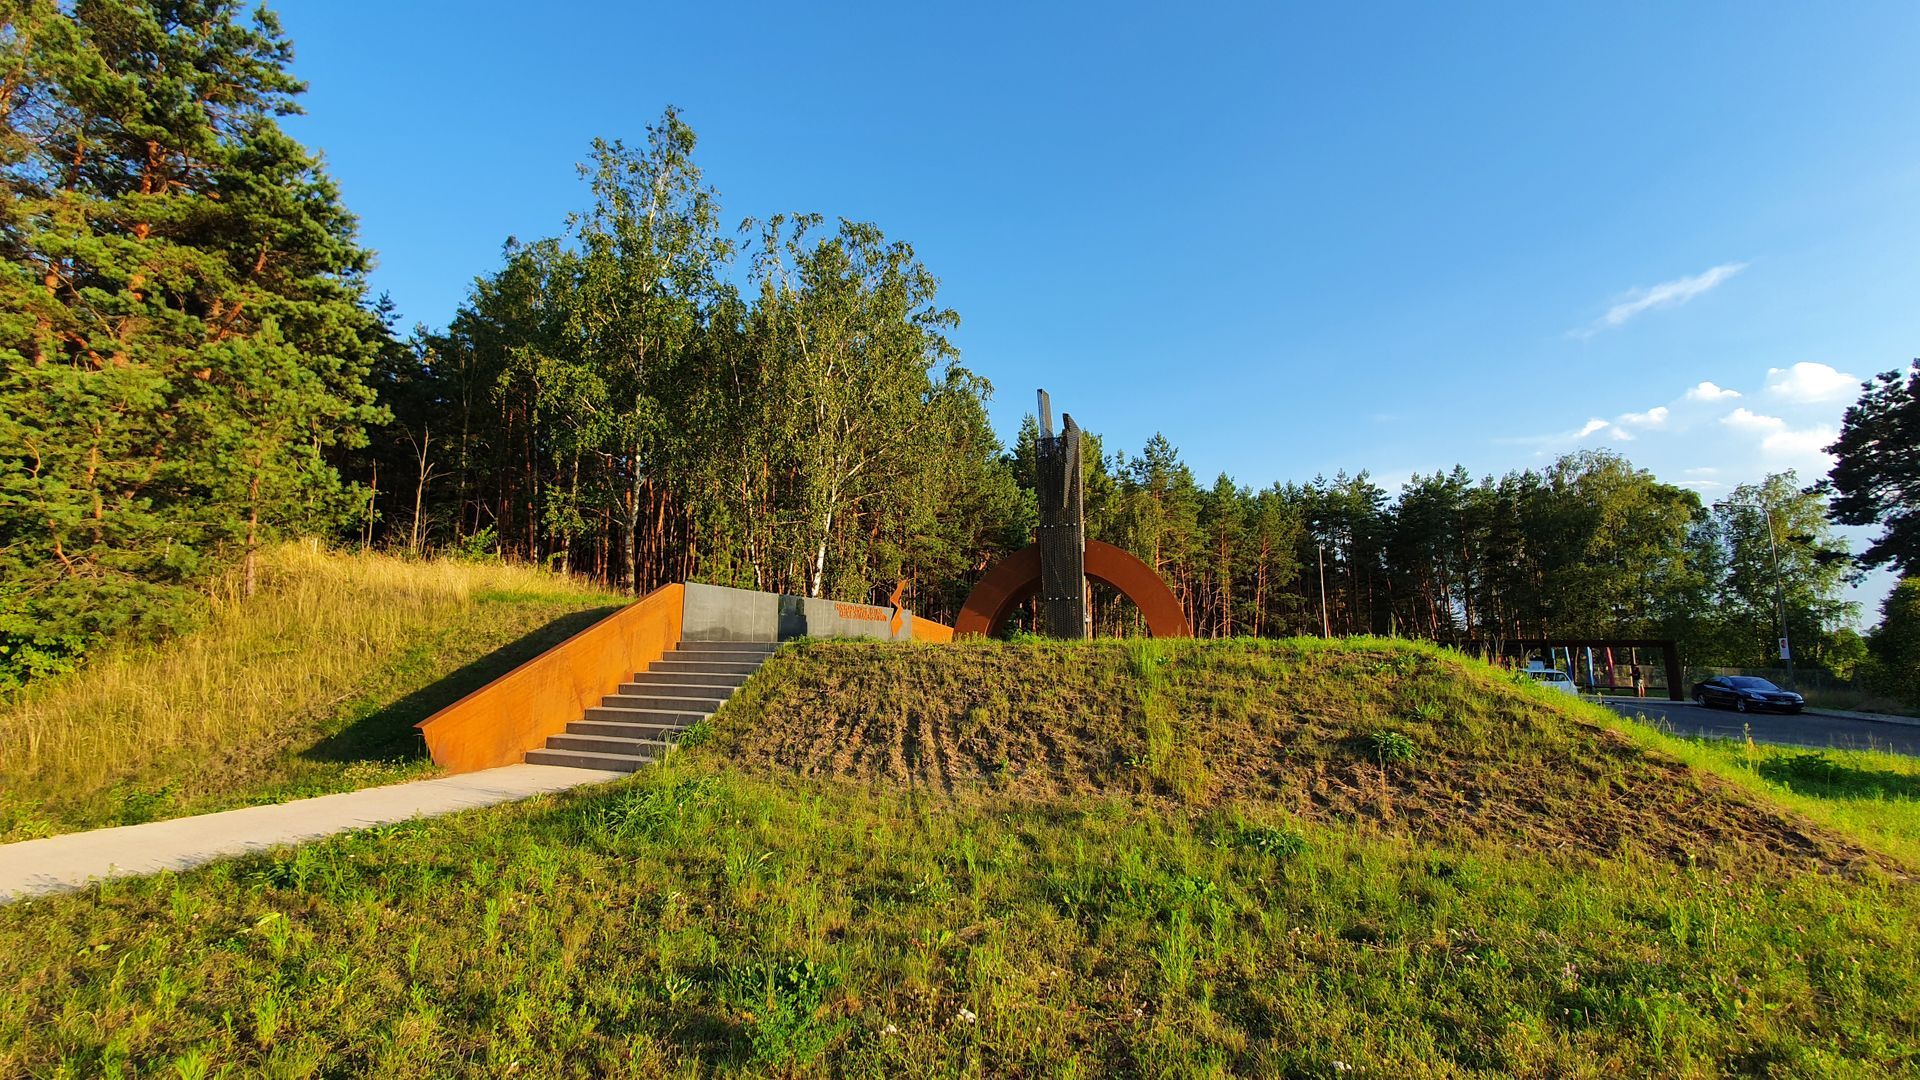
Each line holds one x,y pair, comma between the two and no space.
1876,471
181,323
1895,643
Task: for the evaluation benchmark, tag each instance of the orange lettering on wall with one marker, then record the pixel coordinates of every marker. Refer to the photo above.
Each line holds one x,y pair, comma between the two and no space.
860,611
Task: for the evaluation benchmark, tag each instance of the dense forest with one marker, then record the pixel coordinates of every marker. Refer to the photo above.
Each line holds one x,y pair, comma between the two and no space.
657,392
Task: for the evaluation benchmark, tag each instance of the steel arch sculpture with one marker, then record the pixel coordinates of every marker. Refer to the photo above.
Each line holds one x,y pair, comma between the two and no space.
1016,578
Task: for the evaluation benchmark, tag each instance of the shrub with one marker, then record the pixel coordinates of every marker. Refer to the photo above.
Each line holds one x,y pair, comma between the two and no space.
483,546
1392,748
1270,841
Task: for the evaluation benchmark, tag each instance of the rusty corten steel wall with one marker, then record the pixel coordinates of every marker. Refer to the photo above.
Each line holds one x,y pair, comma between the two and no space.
928,630
498,723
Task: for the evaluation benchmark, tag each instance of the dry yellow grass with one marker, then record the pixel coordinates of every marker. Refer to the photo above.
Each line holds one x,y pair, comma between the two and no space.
327,636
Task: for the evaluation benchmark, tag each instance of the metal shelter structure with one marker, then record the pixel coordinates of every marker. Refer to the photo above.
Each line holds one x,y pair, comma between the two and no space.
1519,647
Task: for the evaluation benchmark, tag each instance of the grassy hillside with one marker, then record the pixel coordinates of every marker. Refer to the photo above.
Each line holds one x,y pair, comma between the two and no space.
311,686
1384,735
1267,859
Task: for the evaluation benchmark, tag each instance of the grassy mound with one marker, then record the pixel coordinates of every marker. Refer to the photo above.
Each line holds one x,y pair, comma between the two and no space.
1404,738
1128,872
311,686
696,920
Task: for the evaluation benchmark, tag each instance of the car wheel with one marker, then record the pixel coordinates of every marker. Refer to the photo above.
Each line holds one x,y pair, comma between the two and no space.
1740,704
1700,699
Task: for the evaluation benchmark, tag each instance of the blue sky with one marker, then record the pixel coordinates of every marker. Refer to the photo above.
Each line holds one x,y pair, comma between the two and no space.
1294,239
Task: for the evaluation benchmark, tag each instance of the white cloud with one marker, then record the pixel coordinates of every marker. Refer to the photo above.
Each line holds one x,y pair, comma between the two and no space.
1702,470
1567,438
1806,445
1654,417
1810,384
1666,294
1747,420
1707,391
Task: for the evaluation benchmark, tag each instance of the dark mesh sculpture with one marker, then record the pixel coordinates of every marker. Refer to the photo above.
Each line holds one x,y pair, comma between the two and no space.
1063,532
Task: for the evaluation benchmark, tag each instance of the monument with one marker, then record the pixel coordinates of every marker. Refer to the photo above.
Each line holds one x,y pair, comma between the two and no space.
1056,568
1062,539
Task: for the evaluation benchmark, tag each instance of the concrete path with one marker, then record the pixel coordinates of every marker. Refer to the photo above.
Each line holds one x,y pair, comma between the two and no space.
61,863
1811,729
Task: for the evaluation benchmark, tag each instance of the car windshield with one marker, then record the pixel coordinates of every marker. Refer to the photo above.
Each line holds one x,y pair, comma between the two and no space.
1748,682
1551,676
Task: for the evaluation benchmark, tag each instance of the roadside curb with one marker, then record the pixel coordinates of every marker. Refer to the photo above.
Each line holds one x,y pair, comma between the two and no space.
1875,718
1838,714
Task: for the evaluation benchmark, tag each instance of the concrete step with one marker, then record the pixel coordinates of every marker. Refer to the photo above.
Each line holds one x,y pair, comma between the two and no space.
670,702
624,729
654,680
610,744
706,656
714,694
647,716
754,648
703,667
588,759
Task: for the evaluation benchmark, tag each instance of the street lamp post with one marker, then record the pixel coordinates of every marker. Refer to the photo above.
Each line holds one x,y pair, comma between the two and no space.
1325,630
1780,602
1779,591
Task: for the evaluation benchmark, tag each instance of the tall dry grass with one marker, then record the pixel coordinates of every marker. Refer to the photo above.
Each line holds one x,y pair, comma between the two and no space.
296,650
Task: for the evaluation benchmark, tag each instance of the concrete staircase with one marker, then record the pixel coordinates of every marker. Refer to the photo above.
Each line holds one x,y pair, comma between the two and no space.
638,723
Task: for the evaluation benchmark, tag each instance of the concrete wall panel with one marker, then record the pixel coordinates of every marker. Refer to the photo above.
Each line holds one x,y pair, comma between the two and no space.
715,613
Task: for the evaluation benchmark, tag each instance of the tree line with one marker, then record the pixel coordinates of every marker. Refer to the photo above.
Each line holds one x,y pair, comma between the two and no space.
1589,546
648,399
194,365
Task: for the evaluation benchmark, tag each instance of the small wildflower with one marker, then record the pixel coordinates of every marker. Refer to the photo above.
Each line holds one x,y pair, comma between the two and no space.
889,1030
1341,1066
967,1016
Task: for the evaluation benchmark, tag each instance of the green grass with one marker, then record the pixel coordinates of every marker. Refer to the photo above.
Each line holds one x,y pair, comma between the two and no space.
1865,793
312,686
1383,871
698,921
1859,700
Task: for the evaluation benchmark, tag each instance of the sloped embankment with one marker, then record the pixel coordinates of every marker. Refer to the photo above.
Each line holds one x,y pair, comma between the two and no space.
1399,737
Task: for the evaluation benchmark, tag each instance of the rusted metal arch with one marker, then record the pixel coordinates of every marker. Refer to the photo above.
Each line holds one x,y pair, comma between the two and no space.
1017,577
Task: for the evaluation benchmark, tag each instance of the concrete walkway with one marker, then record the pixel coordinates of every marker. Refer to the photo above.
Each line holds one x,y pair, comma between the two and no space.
61,863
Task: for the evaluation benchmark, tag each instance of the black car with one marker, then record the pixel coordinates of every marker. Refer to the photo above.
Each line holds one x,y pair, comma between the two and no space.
1746,694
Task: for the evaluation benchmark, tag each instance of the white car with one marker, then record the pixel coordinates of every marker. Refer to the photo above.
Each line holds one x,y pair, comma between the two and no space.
1555,680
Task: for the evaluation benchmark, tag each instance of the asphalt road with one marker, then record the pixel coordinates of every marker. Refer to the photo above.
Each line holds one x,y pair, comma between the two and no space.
1806,729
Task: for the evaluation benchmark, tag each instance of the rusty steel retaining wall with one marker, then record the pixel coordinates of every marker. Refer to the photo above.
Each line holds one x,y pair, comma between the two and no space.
498,723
